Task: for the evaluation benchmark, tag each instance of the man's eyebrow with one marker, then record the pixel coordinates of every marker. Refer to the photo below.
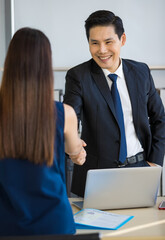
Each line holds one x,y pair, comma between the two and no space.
94,40
108,39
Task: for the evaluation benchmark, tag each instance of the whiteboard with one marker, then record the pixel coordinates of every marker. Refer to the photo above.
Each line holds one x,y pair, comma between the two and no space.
63,22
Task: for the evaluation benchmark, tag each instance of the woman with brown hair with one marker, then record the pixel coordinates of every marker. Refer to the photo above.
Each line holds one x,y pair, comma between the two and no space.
35,132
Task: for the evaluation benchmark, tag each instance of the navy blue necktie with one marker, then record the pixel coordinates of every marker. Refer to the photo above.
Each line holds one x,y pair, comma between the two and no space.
119,115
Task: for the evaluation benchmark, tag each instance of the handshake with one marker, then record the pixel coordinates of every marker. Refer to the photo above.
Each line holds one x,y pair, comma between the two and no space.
79,157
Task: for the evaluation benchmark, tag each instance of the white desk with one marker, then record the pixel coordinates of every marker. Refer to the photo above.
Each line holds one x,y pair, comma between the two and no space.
148,223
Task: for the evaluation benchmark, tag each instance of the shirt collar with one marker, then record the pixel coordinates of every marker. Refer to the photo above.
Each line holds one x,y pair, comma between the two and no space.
119,71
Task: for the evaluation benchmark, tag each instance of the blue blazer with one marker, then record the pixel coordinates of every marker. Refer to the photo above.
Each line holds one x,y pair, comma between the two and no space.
87,91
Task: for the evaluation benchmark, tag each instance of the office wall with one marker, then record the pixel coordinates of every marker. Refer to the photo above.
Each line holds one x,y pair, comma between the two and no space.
2,34
63,23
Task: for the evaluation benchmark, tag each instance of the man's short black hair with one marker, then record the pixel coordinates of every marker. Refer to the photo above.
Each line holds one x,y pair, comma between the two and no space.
104,18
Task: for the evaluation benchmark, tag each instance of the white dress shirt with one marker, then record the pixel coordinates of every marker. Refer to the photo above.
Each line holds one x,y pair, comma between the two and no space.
133,144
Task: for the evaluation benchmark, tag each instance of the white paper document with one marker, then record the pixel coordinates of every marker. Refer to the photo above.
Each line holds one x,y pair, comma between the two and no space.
93,218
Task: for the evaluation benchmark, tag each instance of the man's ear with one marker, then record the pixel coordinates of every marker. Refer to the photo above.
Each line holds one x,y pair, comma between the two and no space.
123,39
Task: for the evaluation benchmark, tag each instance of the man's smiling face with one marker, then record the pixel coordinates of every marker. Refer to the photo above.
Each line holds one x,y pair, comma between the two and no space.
105,46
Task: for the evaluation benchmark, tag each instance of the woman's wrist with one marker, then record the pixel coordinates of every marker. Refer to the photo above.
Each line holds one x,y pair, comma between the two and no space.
75,153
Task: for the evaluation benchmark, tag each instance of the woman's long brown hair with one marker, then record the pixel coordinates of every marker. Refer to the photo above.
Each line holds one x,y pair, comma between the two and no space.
27,115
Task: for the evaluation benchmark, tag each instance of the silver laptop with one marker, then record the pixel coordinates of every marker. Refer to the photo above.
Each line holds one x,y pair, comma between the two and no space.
119,188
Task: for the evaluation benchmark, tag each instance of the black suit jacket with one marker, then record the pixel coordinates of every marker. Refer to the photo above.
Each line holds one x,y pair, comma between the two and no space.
87,91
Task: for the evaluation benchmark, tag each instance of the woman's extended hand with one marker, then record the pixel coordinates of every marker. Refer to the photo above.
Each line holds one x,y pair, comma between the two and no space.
80,157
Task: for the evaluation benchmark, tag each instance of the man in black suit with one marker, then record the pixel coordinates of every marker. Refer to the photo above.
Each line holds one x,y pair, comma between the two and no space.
88,91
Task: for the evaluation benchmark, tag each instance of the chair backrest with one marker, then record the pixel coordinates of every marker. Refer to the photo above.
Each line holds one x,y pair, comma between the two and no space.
92,236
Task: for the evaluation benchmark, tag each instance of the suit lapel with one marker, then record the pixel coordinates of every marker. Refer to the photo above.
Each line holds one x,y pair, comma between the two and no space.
102,85
132,86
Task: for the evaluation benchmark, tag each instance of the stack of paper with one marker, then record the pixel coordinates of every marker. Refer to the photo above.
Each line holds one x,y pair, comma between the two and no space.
96,219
